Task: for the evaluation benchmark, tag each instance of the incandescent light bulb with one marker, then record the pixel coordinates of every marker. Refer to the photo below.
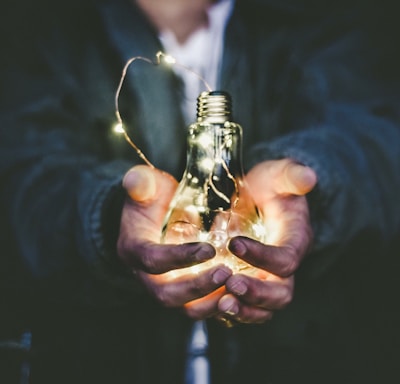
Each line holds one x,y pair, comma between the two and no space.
212,202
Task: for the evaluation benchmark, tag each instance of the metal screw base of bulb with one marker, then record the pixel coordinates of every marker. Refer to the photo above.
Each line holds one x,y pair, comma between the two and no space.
214,107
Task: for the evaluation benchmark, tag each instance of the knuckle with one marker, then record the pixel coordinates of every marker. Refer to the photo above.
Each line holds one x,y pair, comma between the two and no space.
164,298
197,289
193,313
122,250
285,297
149,264
289,263
260,318
267,316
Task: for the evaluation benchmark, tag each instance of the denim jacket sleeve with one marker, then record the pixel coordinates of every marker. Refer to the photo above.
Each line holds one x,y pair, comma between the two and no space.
61,170
356,157
353,146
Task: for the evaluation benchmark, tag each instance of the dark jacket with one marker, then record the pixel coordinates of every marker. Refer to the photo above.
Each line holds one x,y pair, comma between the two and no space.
304,85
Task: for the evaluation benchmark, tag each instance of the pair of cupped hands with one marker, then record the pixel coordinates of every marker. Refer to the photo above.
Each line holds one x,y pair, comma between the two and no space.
278,188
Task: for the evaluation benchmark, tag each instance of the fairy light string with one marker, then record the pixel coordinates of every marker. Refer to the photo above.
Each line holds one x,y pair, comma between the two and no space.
162,58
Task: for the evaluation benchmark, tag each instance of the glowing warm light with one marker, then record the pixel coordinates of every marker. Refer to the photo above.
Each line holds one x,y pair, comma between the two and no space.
205,141
203,236
207,164
169,59
259,231
118,128
214,206
273,231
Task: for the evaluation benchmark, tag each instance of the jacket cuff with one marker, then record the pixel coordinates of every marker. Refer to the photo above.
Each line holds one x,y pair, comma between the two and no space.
102,229
306,150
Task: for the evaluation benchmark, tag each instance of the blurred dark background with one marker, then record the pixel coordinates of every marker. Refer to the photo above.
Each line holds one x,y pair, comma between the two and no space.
378,20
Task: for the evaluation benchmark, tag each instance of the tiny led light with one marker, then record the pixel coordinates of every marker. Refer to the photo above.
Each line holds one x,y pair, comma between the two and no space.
118,128
207,164
169,59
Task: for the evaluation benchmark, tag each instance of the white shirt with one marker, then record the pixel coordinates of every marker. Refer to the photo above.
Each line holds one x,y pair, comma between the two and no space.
202,53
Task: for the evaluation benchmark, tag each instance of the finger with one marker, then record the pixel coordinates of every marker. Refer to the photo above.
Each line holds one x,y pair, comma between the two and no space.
282,261
272,293
296,179
141,221
175,292
145,184
140,183
204,307
281,176
237,311
157,258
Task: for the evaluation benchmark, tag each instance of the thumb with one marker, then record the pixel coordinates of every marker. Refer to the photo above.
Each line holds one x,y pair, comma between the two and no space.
140,183
297,179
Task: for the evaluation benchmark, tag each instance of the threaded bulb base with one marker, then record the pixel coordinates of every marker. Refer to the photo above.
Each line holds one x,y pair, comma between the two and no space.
214,106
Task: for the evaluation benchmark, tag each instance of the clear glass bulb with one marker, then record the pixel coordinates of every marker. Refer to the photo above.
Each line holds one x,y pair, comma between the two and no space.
212,202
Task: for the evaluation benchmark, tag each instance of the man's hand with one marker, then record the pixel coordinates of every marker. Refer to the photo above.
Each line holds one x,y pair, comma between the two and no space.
149,194
278,189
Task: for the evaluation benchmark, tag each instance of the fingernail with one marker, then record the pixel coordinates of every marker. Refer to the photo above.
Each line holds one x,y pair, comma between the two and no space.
237,247
140,183
220,276
239,288
309,176
203,252
229,306
303,177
